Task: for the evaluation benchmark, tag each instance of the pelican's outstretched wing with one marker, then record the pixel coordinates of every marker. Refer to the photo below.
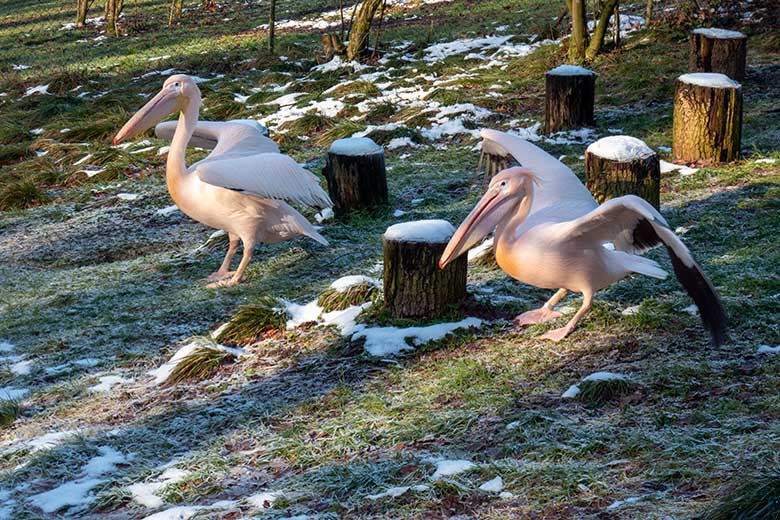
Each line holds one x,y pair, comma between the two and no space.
263,175
236,137
633,225
558,186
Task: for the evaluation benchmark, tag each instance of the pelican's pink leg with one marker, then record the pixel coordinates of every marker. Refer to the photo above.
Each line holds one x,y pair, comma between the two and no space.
224,269
238,276
546,313
558,334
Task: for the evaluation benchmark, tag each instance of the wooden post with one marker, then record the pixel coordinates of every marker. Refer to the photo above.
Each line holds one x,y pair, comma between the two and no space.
355,170
718,50
707,124
414,285
622,165
570,93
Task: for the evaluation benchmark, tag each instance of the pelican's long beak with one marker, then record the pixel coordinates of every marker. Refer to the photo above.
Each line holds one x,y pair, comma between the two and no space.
483,219
161,106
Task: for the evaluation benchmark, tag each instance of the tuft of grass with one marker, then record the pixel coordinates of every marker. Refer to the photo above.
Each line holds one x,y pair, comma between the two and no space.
10,410
758,498
597,393
12,132
200,364
344,129
333,300
355,87
252,321
21,193
308,124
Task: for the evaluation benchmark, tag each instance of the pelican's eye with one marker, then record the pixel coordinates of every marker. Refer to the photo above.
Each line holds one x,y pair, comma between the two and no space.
177,84
503,184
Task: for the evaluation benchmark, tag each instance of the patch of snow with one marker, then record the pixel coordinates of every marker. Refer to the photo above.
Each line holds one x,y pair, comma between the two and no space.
36,131
12,393
265,499
390,341
709,80
39,89
448,468
399,213
493,486
620,503
128,196
667,167
19,66
22,368
107,383
6,346
346,282
481,250
162,373
574,390
83,159
720,34
401,142
92,172
766,349
692,309
168,210
630,311
175,513
570,70
394,492
337,63
300,314
344,320
352,146
145,493
430,231
506,495
767,160
163,150
324,215
621,148
87,362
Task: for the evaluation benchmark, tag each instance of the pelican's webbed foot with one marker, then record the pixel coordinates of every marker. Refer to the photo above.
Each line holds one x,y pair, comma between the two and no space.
557,335
541,315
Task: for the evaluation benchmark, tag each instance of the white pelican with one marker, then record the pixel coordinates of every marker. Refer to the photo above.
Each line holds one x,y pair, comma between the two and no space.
238,188
550,233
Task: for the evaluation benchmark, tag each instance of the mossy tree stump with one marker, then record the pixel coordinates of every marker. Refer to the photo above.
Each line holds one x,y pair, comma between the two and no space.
414,285
707,124
570,93
355,171
622,165
718,50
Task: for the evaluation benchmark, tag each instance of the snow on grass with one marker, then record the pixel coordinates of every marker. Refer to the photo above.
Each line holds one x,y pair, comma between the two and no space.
162,373
766,349
38,89
346,282
324,215
767,160
667,167
441,51
433,231
168,210
574,390
395,492
621,148
493,486
337,63
107,383
481,250
92,172
709,80
42,442
399,213
13,393
77,493
401,142
265,499
449,468
128,196
6,346
163,150
22,368
145,493
390,341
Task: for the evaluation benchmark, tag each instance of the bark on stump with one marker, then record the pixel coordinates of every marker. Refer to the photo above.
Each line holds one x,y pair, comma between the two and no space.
707,124
355,170
569,97
622,165
719,50
414,285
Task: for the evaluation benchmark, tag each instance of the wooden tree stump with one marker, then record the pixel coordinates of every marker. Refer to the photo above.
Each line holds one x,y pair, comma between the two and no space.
707,118
414,285
719,50
355,170
622,165
569,97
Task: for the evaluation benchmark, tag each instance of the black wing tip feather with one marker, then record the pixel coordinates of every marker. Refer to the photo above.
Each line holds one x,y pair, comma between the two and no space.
713,316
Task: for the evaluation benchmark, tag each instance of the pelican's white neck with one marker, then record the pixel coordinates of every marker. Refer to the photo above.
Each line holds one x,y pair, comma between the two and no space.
188,120
515,217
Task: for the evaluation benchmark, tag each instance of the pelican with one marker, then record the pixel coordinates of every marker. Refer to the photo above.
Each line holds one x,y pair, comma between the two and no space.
551,233
242,185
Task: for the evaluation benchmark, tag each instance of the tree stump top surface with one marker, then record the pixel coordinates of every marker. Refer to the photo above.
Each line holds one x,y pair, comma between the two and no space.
621,148
719,34
425,231
709,80
570,70
354,146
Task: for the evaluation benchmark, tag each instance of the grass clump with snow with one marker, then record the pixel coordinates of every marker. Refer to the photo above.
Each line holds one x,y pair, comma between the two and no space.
10,410
597,392
335,300
252,321
201,363
758,498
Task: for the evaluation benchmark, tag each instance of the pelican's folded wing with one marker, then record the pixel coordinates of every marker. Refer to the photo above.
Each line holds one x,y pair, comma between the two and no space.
239,136
264,175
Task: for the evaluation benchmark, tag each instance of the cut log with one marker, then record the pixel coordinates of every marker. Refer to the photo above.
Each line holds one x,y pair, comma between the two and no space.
414,285
355,171
719,50
569,96
622,165
707,124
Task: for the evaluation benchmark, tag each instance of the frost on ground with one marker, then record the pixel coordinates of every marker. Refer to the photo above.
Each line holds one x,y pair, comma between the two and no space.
574,390
145,493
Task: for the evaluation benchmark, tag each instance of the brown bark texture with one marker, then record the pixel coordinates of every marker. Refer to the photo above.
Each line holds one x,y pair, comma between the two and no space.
356,181
569,101
707,126
725,55
361,29
414,285
607,179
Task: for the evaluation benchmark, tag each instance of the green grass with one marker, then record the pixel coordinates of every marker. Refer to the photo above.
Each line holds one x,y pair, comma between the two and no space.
754,498
202,363
252,321
334,300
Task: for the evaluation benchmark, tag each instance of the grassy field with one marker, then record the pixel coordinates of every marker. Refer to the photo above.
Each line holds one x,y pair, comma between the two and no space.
98,286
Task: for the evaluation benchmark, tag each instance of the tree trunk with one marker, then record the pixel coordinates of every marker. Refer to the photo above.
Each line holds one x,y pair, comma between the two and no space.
578,42
414,285
272,27
82,6
634,174
120,4
707,125
332,46
569,97
719,50
649,13
361,29
208,5
175,12
355,171
597,38
111,15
